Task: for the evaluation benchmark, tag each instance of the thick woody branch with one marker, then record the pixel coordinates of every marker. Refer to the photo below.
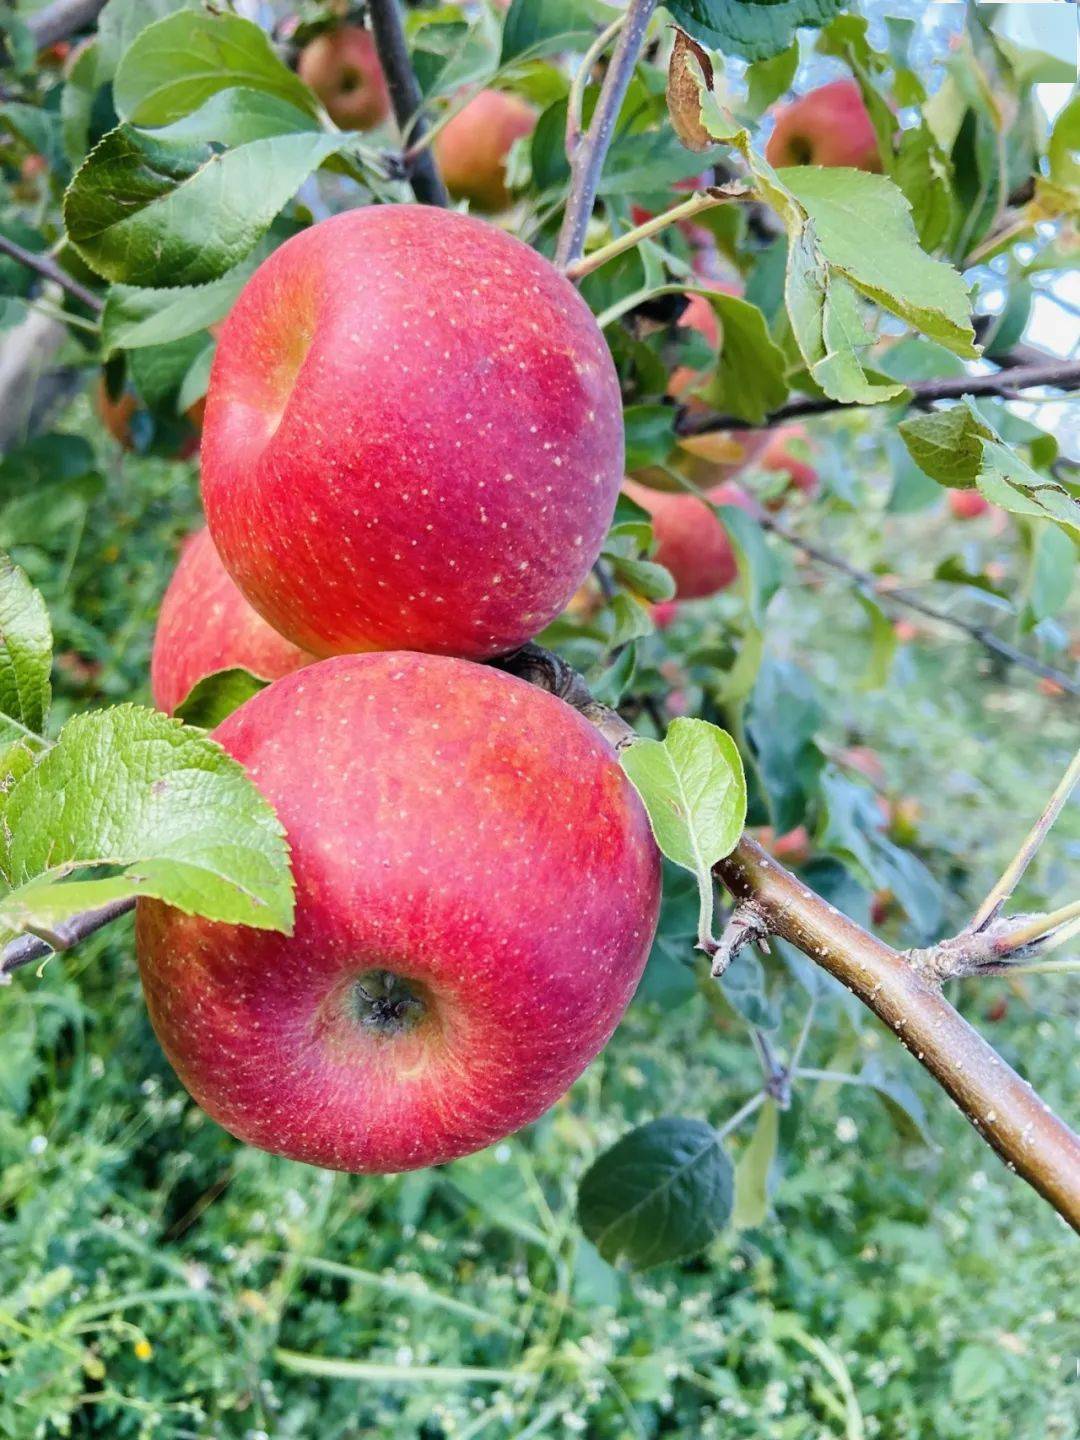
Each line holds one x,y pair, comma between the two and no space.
1004,1109
1054,374
47,268
590,150
406,99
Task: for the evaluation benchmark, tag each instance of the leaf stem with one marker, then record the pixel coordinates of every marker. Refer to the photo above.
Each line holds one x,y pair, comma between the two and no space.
992,906
743,1113
701,200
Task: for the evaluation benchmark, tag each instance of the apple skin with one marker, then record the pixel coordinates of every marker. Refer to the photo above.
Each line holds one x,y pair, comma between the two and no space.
451,825
691,542
205,625
827,126
342,67
416,453
471,148
967,504
777,457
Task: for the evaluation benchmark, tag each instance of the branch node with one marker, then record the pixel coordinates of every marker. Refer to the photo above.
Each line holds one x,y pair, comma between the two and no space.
746,925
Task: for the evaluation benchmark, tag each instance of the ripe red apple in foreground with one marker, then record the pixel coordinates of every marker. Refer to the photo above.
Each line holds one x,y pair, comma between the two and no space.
691,541
206,625
476,892
471,149
342,67
967,504
413,436
826,126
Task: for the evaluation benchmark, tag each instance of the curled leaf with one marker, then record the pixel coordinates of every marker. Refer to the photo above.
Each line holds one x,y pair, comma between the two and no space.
689,65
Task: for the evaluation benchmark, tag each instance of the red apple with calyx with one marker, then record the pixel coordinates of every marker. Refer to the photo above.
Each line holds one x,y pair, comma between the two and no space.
342,67
471,149
691,540
826,126
967,504
413,436
205,625
477,889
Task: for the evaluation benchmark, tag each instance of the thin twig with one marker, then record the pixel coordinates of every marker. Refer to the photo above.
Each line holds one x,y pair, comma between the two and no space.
575,101
406,99
591,152
992,906
1037,930
743,1113
28,948
898,595
1060,374
47,268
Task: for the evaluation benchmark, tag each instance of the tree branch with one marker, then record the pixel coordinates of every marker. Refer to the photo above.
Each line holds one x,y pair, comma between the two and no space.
47,268
1058,374
1002,1107
28,948
406,99
62,18
872,585
590,151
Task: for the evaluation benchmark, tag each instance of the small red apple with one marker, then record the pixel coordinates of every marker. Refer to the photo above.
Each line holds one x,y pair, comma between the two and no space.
342,67
967,504
477,889
471,149
691,541
206,625
664,613
413,436
778,458
826,126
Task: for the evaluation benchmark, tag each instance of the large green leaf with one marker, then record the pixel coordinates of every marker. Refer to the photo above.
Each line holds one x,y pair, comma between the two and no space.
756,31
131,788
1008,481
538,27
177,63
236,117
25,653
662,1192
947,444
135,316
146,213
752,1170
122,21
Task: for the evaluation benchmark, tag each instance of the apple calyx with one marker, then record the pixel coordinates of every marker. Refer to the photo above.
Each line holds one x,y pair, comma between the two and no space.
386,1003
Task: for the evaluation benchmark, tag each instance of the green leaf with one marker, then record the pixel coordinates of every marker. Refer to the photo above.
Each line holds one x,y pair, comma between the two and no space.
236,117
693,787
25,652
650,435
752,1170
150,214
754,29
947,444
921,172
218,695
783,721
1008,481
644,577
135,316
749,380
131,788
1053,570
539,27
177,63
662,1192
767,80
902,1102
122,21
864,230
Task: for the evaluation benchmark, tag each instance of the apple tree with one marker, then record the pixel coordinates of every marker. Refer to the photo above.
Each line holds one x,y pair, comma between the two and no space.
530,345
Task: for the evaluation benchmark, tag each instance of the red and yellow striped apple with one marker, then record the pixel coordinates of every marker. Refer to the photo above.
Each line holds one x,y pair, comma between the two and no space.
413,436
476,892
826,126
206,625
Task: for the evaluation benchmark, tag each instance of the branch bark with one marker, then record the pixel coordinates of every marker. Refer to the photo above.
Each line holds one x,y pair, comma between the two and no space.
1003,1108
1055,374
406,99
47,268
62,18
590,151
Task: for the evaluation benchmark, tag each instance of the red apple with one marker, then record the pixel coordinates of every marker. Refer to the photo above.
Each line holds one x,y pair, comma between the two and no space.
471,149
413,436
476,892
342,67
967,504
664,613
206,625
691,541
826,126
778,458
